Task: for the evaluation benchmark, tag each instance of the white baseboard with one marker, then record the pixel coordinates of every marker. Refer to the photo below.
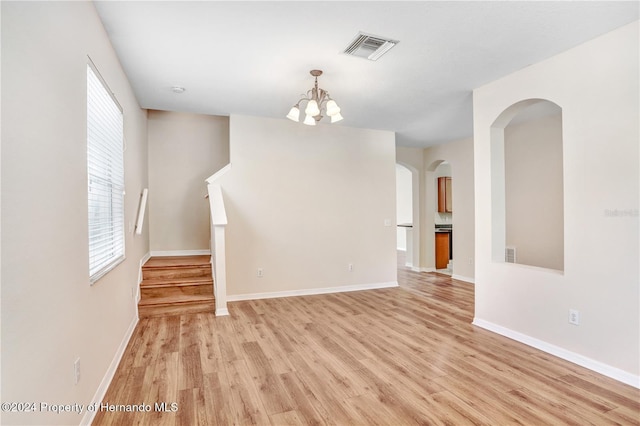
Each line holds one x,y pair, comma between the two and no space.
164,253
430,269
87,419
311,291
462,278
222,312
581,360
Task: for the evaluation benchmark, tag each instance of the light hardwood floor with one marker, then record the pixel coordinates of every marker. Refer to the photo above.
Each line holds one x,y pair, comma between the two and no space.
398,356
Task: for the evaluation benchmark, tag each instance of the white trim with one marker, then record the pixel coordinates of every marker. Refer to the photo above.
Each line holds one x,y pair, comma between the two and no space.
222,312
87,419
581,360
216,204
461,278
429,269
144,260
220,268
164,253
217,175
311,291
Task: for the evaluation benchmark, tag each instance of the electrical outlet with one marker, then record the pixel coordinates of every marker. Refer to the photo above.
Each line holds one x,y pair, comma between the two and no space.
76,370
574,317
259,273
387,222
350,267
471,261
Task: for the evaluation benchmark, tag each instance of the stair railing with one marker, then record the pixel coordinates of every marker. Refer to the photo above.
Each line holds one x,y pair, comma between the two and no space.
218,244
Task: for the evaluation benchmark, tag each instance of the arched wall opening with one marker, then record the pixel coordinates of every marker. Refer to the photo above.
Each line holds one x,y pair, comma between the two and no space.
408,213
439,212
527,185
404,204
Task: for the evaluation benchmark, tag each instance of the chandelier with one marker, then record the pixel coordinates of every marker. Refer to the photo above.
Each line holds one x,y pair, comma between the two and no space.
318,100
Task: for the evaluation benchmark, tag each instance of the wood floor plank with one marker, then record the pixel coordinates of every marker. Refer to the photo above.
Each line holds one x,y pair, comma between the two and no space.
189,361
273,394
211,359
563,410
163,390
327,399
453,410
248,407
365,409
230,347
189,414
409,408
287,418
397,356
604,389
303,399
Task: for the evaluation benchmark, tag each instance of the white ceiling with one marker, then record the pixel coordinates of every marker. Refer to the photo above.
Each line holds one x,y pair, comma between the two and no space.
253,58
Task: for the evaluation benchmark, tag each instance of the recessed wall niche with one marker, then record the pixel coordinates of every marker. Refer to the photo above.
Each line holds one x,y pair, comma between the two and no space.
527,185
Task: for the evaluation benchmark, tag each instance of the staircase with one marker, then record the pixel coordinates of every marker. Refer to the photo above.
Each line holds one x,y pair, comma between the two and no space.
176,285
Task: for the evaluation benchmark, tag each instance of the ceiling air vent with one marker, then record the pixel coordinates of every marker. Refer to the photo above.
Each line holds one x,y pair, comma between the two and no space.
368,46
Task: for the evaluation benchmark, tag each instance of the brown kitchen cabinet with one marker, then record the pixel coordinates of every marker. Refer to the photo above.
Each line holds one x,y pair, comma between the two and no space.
444,195
442,249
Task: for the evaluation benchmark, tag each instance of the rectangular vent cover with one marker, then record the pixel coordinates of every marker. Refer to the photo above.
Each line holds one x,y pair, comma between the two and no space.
370,47
510,254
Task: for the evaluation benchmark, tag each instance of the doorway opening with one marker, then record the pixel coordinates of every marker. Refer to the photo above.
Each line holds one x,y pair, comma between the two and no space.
443,218
406,192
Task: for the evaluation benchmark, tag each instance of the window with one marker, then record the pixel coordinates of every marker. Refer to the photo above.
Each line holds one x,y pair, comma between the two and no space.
105,169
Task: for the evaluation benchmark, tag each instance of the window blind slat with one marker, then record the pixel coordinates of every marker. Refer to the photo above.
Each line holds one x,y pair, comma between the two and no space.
105,171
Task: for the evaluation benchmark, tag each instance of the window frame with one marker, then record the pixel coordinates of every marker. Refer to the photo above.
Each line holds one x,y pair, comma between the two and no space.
105,177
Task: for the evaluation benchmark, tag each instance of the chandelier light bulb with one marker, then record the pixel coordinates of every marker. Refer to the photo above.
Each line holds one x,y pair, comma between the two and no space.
309,120
332,108
312,108
294,114
336,117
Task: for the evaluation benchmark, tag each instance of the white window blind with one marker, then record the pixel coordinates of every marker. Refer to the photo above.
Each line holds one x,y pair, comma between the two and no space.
105,167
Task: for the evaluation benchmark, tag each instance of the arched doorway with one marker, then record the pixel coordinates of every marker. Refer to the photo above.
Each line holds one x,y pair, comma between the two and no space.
408,214
442,216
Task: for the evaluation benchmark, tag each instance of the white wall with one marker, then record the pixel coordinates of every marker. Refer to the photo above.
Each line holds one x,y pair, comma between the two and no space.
404,203
534,212
184,150
50,313
304,202
596,85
